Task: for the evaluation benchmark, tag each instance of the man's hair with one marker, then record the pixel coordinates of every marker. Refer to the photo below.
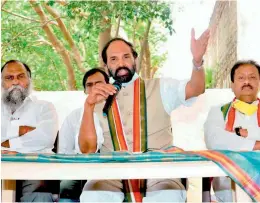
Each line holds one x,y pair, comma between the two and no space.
92,72
240,63
17,61
104,51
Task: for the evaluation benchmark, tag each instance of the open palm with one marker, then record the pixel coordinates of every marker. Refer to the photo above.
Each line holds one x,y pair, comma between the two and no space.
199,46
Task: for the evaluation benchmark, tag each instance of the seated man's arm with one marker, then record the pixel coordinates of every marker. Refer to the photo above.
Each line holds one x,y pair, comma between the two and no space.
40,136
90,133
216,137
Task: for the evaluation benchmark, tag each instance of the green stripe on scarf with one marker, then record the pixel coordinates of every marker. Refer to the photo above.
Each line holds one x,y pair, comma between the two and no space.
126,191
225,109
112,130
143,113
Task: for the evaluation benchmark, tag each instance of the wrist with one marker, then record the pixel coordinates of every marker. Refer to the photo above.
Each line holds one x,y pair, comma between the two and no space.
197,64
237,130
89,107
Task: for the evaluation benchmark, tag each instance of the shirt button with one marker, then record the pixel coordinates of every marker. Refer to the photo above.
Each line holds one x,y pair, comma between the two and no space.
125,94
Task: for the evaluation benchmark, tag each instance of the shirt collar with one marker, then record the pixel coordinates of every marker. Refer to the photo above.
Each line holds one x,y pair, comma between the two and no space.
111,80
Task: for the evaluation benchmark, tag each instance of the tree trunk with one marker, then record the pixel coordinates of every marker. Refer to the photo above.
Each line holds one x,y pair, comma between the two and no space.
76,54
134,31
56,44
153,71
147,61
143,71
104,37
145,41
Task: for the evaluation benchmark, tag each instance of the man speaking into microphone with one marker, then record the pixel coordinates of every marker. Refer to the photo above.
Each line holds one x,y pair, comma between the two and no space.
137,120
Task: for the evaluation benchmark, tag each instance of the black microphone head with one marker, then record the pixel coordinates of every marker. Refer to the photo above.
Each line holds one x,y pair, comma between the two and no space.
118,85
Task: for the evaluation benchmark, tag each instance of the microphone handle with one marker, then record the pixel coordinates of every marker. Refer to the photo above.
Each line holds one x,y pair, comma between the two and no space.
108,104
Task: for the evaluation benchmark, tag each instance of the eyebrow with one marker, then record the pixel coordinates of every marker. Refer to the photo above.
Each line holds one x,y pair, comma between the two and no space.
11,74
88,83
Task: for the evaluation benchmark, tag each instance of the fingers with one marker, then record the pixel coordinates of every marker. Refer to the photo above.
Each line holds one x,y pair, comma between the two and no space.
108,88
205,35
104,89
96,92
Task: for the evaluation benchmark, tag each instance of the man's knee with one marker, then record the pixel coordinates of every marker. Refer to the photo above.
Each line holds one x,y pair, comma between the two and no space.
101,196
37,197
166,196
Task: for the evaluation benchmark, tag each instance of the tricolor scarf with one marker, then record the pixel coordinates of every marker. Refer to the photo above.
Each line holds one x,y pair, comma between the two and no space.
134,189
229,113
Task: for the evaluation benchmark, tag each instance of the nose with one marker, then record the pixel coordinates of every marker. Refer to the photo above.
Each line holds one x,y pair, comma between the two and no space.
15,81
121,62
246,80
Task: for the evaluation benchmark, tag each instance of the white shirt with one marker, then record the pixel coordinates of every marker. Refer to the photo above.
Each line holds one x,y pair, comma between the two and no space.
35,113
172,92
69,133
217,137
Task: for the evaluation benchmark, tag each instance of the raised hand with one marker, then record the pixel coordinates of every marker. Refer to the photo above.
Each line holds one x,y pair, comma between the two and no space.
199,46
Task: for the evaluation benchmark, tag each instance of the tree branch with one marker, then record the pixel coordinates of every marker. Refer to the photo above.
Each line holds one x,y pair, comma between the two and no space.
3,3
58,46
76,54
20,16
118,25
59,76
23,32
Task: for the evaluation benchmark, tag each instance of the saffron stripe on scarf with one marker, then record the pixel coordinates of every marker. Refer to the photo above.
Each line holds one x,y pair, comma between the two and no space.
112,129
134,185
118,126
136,118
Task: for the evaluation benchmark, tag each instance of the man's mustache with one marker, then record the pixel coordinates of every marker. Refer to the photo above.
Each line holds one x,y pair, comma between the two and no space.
248,85
122,68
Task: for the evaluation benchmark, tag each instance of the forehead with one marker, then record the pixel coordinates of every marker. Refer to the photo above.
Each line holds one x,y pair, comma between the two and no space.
14,68
96,77
247,69
118,47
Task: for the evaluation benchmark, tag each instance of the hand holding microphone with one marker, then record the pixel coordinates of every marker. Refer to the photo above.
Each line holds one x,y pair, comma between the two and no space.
99,93
110,98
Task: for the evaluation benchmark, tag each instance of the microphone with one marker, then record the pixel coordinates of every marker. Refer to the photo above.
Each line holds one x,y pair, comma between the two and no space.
110,99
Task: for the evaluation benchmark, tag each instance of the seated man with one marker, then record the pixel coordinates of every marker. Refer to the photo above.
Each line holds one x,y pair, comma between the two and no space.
236,125
28,125
138,119
70,190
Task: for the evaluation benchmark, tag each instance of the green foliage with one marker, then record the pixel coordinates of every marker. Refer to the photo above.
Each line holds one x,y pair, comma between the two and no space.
209,78
25,39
